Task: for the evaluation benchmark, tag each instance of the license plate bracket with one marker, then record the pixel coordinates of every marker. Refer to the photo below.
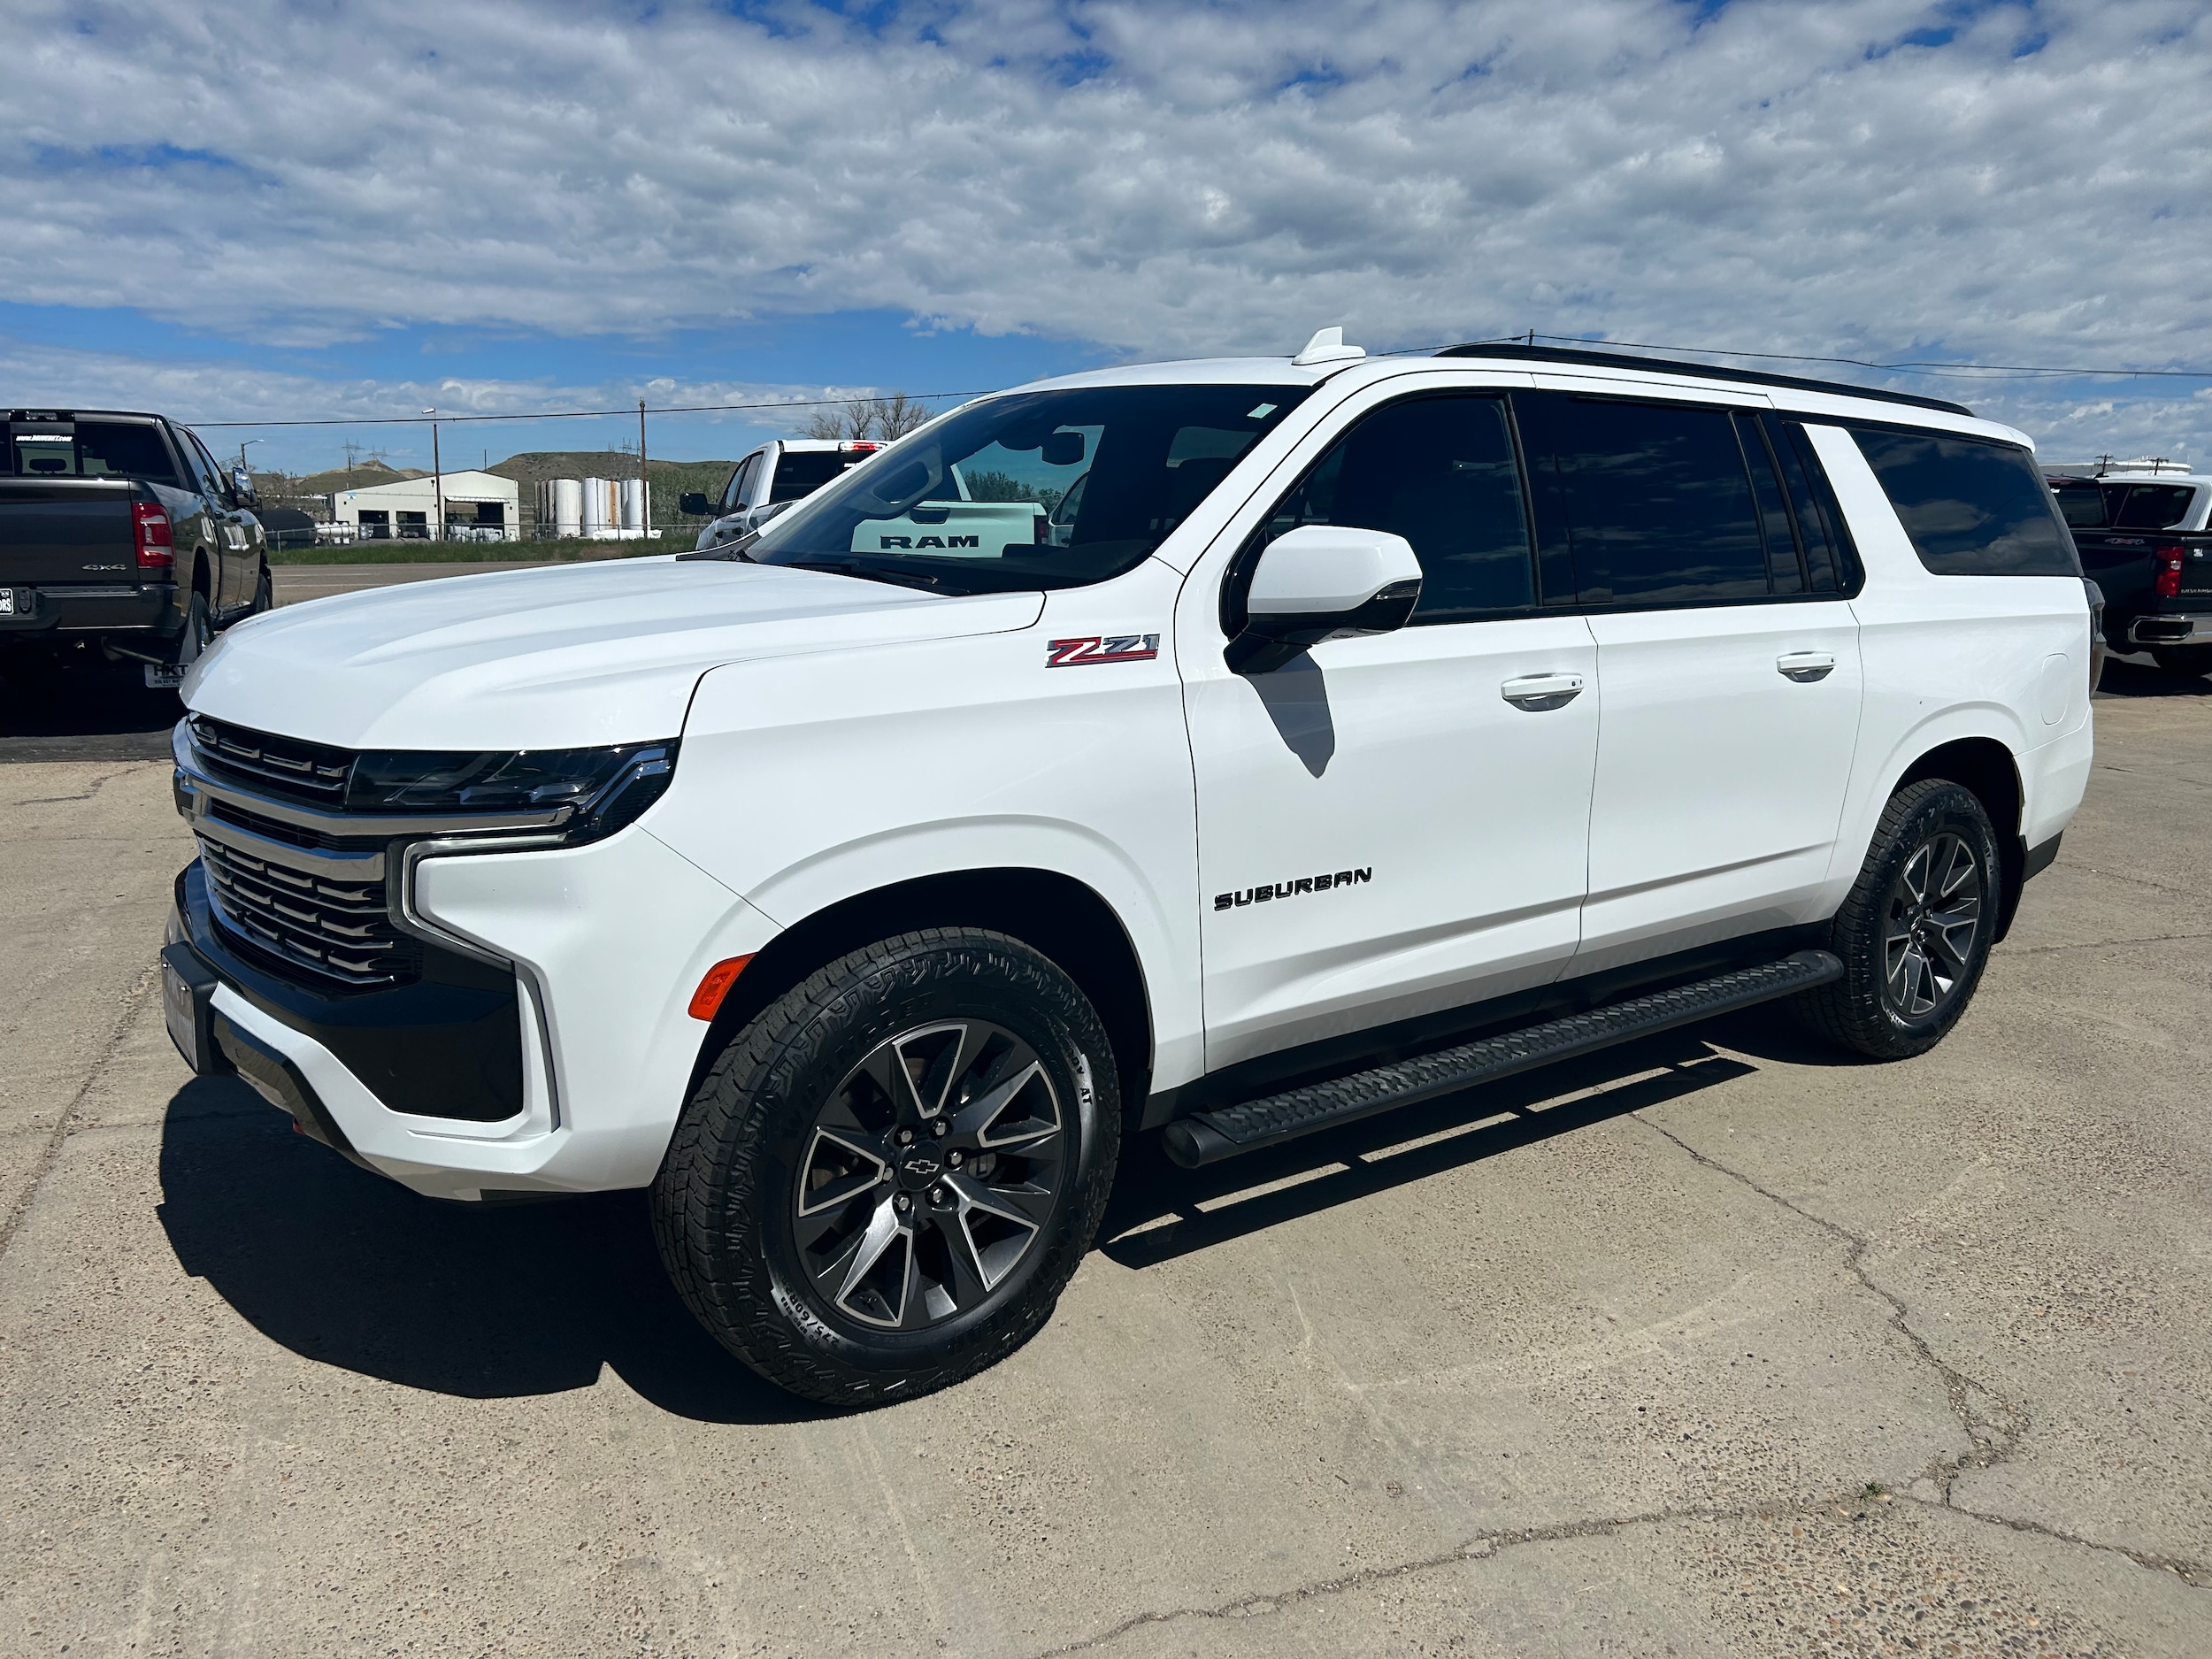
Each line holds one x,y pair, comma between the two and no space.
187,991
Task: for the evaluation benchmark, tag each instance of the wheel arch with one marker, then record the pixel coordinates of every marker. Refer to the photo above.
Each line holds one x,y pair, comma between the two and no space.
1988,770
1053,913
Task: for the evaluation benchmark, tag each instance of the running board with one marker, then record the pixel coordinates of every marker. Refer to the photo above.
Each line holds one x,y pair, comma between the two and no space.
1209,1137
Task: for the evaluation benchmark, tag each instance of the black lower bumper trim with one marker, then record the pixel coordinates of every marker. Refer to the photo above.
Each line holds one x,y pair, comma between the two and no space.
2038,859
277,1080
1209,1137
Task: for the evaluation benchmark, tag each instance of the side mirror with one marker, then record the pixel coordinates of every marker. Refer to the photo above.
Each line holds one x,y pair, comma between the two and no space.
695,503
1062,449
241,487
1324,582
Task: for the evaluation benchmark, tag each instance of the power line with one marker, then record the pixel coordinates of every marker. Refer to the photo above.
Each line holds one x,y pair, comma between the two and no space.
1921,366
575,414
1924,366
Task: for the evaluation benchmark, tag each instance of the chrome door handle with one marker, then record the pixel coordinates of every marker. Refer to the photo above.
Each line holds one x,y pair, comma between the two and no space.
1805,667
1536,693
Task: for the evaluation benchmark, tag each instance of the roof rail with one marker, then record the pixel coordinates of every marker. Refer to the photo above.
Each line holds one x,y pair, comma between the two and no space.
1673,365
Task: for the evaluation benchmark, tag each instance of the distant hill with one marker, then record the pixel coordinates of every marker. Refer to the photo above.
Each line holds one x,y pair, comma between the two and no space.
363,474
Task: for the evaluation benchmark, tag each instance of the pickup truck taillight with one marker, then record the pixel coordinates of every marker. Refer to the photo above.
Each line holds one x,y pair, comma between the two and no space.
2166,561
156,544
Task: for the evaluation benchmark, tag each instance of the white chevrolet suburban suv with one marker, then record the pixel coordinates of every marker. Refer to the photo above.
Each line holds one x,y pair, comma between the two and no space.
1372,728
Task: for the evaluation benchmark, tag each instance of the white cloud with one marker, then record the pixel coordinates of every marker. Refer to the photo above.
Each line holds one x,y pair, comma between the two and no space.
1159,177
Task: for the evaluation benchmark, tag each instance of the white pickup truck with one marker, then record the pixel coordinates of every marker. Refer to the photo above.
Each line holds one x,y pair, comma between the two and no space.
1360,731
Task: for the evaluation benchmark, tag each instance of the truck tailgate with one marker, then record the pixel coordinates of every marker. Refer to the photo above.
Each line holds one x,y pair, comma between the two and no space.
78,531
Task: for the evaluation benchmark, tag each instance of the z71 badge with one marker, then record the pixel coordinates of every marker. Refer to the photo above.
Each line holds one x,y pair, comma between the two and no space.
1111,648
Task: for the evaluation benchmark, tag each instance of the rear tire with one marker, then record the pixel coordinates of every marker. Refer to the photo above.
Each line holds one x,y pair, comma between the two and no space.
264,593
2189,660
892,1171
1915,931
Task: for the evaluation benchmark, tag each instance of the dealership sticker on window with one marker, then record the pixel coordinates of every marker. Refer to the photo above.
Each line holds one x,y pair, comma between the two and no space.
1111,648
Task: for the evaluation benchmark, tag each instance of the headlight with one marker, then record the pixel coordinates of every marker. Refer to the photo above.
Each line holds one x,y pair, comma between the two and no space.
606,788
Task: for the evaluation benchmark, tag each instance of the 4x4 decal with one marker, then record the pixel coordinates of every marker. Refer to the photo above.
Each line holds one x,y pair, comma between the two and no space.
1111,648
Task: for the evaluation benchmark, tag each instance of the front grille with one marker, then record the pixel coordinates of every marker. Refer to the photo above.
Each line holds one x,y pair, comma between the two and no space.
314,773
336,931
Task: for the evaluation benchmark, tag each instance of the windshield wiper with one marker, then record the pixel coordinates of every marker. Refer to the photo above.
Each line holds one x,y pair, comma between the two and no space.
867,572
728,551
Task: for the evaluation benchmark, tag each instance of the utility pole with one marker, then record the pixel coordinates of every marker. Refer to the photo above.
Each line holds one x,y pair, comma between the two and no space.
644,489
437,478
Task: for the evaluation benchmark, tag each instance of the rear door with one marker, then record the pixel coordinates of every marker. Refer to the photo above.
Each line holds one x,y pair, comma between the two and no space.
1727,664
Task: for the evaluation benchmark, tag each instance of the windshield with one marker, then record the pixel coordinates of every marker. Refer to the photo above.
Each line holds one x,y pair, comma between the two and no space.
1041,489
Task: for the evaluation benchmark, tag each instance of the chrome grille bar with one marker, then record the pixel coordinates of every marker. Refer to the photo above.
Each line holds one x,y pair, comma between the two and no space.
310,918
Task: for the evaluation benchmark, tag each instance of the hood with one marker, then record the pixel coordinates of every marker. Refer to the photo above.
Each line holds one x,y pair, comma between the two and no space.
561,658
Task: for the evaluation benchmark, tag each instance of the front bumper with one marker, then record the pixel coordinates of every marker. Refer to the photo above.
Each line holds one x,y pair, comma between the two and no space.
2171,630
602,946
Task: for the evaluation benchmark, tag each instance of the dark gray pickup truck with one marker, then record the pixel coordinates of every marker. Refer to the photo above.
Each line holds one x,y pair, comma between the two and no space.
120,533
2142,534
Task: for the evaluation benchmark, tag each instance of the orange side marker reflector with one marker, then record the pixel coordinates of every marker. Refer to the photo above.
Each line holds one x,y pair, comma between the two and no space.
716,986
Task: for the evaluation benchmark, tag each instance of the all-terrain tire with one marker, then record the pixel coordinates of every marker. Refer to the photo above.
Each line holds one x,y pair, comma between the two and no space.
1864,1011
724,1197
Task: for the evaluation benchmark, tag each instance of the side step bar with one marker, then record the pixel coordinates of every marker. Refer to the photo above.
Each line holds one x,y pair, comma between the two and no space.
1209,1137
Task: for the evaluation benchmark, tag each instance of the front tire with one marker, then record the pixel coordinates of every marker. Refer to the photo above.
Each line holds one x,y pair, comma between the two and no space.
1915,931
892,1171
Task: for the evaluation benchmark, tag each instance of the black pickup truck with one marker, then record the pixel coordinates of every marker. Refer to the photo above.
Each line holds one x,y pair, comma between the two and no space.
2143,539
120,533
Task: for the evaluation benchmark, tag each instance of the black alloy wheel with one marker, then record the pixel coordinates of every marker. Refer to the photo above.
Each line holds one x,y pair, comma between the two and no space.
932,1172
892,1170
1915,932
1930,924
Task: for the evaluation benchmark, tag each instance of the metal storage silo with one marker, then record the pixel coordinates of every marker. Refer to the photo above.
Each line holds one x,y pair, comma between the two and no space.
596,514
634,507
568,507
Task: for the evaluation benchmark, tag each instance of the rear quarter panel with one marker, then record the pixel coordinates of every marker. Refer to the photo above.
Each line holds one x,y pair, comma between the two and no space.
1946,657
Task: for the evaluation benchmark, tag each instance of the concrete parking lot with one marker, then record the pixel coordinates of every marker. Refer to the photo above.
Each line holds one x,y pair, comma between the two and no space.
1714,1345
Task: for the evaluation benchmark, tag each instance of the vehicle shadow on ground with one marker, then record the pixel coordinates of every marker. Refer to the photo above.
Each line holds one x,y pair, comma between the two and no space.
92,710
345,1267
349,1269
2139,677
1159,1211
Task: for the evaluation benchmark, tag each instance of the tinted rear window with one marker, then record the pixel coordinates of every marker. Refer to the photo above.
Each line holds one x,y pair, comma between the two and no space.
95,448
1971,507
2081,501
803,471
1653,499
2153,506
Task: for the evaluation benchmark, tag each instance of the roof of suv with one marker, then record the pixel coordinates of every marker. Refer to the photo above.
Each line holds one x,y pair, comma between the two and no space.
1703,370
1288,371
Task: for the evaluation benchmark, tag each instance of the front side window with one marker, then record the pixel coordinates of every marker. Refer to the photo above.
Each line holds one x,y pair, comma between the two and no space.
981,501
1650,504
1440,471
1970,507
740,487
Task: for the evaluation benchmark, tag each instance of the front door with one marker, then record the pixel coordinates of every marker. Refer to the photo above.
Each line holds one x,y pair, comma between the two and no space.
1728,658
1393,825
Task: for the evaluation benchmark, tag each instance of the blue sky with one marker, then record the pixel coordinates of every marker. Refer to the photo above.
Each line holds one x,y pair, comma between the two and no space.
290,208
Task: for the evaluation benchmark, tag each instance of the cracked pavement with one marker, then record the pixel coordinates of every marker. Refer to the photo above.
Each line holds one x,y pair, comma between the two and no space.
1713,1345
